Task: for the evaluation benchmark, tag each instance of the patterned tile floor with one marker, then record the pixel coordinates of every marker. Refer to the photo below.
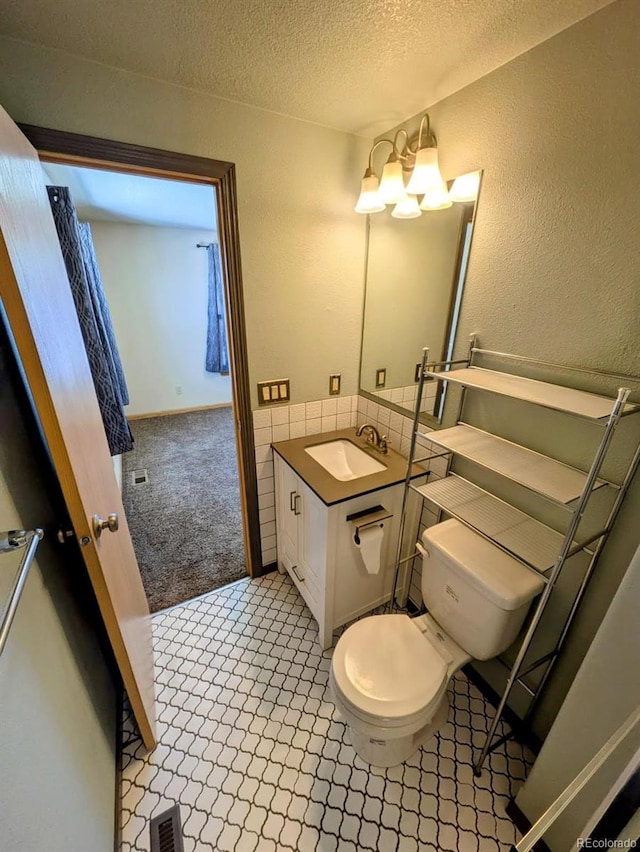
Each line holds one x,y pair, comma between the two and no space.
251,747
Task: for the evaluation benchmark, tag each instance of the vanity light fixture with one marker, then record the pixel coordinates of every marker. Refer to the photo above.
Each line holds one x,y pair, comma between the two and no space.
465,187
437,198
392,189
407,208
369,201
425,178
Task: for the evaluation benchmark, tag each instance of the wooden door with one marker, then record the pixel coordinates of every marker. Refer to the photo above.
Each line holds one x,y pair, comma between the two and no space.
37,300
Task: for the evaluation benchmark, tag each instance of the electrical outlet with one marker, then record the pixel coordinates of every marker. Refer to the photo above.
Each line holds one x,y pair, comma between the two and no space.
334,384
179,390
381,377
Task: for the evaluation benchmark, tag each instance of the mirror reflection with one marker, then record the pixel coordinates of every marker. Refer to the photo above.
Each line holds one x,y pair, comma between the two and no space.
415,278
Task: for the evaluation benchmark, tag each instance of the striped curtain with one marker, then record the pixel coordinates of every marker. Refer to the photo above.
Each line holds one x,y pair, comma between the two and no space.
217,356
94,318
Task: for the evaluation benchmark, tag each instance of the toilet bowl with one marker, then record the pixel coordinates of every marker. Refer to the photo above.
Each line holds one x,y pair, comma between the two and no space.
389,673
389,682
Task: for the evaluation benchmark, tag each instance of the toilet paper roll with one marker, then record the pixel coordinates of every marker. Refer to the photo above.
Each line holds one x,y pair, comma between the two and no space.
369,543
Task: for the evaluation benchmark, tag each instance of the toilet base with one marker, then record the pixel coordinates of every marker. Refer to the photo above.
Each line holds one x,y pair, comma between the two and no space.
393,752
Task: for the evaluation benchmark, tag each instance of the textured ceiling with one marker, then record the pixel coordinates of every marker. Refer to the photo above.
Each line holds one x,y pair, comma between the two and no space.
360,65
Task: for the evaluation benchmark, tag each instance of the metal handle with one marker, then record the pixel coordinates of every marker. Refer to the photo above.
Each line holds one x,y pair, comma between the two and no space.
111,523
293,502
296,575
22,538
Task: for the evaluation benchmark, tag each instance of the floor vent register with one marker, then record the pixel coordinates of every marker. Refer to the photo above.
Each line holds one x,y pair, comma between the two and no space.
166,831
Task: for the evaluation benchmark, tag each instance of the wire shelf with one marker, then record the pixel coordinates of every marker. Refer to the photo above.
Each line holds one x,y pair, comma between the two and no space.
546,476
533,543
558,397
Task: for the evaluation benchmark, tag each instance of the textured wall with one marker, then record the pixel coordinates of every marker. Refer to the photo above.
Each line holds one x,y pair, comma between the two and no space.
156,284
555,260
57,700
302,246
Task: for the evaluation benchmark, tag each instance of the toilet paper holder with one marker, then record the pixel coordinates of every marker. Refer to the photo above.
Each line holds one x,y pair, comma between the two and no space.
367,518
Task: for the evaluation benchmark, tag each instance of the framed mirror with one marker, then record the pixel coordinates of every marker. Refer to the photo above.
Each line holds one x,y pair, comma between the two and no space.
416,270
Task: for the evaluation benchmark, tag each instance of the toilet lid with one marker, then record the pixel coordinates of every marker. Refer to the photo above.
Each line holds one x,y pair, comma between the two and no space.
385,667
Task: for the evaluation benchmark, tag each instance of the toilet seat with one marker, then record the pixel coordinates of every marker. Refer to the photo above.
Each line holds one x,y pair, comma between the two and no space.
387,672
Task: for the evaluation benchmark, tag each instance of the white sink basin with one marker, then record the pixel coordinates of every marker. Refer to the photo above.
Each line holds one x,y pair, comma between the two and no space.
344,460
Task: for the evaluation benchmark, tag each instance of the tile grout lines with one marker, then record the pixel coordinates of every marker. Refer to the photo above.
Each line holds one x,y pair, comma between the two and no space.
252,748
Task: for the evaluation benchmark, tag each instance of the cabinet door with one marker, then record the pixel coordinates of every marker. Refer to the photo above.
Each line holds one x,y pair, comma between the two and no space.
312,535
312,560
287,520
302,520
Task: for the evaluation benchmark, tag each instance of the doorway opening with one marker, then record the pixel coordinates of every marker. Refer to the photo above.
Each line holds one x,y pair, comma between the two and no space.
164,237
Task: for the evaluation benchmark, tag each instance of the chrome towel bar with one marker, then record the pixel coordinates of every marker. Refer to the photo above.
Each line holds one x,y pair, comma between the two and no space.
10,541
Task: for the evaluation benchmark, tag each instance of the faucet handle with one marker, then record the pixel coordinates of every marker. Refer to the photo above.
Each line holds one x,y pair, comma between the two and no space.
384,443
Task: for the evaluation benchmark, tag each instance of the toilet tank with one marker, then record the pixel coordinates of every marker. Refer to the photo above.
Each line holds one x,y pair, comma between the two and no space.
476,592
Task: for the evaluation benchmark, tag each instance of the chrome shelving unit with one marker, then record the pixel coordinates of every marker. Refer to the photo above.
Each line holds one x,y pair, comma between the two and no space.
537,546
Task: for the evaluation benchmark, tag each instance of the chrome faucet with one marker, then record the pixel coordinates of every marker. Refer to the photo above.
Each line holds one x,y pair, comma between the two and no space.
374,438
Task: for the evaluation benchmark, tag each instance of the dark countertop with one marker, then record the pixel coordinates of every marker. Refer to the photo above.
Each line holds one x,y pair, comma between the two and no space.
331,490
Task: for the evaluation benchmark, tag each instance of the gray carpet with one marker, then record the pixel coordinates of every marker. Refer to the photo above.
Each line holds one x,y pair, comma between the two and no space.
185,521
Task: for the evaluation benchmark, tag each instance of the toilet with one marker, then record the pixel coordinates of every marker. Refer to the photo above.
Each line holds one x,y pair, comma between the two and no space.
389,673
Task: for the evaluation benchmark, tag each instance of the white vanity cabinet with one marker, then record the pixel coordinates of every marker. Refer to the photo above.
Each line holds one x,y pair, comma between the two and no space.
301,528
316,549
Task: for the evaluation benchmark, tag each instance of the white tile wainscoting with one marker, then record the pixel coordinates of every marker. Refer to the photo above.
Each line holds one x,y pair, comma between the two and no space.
285,422
406,396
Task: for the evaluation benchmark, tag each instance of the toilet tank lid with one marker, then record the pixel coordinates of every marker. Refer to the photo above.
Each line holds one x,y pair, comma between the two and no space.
498,576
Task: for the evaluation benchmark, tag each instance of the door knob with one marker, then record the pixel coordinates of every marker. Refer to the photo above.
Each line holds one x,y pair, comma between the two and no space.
111,523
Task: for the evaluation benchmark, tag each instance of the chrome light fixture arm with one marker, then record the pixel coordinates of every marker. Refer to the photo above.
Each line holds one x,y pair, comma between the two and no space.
397,153
431,141
420,160
407,152
369,170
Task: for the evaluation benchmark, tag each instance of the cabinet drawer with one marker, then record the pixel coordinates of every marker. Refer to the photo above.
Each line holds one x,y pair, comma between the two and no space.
305,583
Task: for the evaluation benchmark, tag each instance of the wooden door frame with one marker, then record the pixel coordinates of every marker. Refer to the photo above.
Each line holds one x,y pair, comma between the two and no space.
75,149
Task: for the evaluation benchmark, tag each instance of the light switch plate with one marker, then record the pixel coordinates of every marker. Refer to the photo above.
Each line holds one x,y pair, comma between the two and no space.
272,391
416,375
381,377
334,384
